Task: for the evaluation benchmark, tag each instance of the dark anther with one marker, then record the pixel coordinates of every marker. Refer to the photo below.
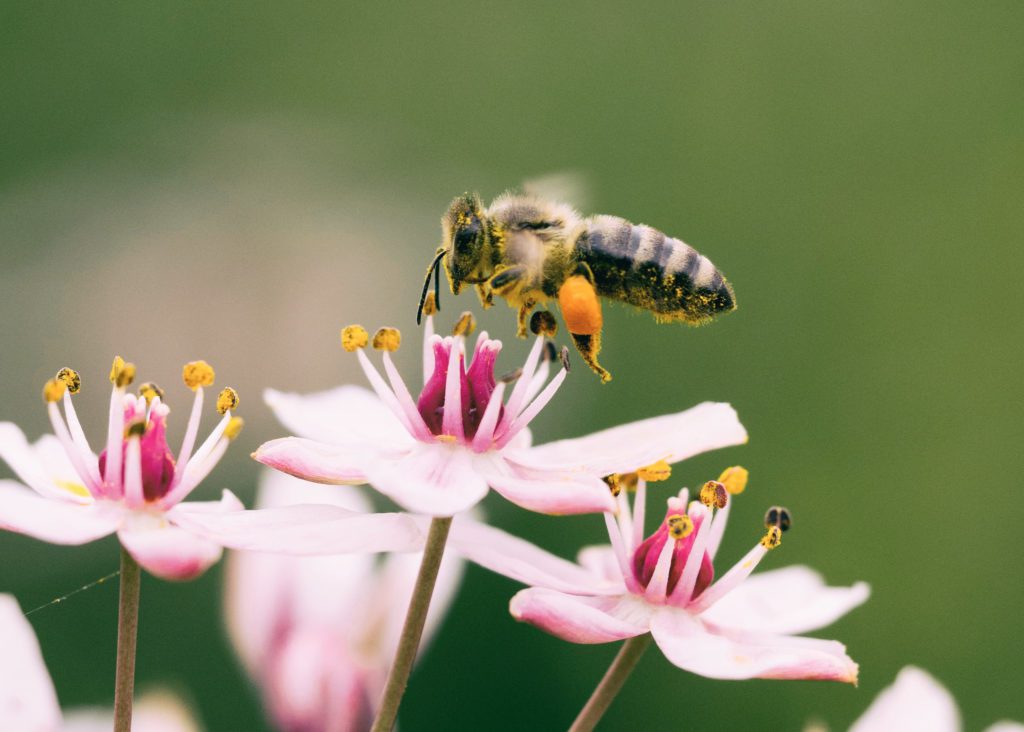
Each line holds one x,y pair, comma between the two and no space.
778,516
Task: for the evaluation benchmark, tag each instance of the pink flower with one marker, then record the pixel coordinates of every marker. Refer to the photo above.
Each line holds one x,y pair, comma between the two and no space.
28,701
440,453
732,628
917,702
135,487
318,634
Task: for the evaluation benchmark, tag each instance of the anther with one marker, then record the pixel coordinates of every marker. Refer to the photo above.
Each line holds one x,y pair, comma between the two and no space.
354,337
778,517
511,376
772,538
614,483
70,378
196,374
150,391
430,304
387,339
734,479
53,390
550,352
714,495
135,429
227,400
654,472
564,356
235,425
542,323
465,325
679,525
121,374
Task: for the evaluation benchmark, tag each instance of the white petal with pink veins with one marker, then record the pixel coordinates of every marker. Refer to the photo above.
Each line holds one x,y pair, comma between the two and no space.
520,560
581,619
44,467
436,479
601,561
57,522
321,462
789,600
165,550
916,702
554,493
347,414
27,698
628,447
719,653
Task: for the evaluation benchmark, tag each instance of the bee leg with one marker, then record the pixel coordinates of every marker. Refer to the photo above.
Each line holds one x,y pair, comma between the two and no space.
506,279
523,318
581,310
485,294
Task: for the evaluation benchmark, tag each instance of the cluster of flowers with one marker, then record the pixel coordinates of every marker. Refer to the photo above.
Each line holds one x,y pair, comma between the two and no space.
323,628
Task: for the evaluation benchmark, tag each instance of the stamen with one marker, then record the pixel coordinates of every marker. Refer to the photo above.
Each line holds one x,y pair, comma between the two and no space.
778,517
679,526
234,428
543,324
772,538
133,491
387,339
135,429
465,325
405,401
53,391
227,400
714,495
121,374
451,419
485,430
639,513
564,358
81,442
517,399
655,472
616,539
354,337
550,352
684,589
197,374
430,304
613,483
511,376
657,586
70,378
734,479
150,391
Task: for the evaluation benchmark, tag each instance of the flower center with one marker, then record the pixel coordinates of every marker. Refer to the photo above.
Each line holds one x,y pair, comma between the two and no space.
476,384
157,461
680,529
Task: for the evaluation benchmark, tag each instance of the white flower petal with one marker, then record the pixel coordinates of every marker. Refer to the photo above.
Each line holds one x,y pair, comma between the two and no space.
345,415
915,702
554,493
165,550
40,466
432,479
57,522
581,619
320,462
27,697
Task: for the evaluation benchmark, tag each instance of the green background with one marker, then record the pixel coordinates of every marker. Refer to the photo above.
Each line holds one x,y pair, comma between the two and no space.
234,182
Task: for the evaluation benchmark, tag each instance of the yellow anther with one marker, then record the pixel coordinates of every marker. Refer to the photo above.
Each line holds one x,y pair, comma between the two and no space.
614,483
734,479
772,538
121,374
150,391
354,337
465,325
70,379
135,429
430,304
714,495
387,339
196,374
654,472
235,425
679,525
543,323
227,400
53,390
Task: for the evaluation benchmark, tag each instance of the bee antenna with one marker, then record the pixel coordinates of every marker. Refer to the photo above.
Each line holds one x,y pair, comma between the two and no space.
433,269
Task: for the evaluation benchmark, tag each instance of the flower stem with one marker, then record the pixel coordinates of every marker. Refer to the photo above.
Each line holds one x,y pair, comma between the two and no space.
614,678
412,631
127,630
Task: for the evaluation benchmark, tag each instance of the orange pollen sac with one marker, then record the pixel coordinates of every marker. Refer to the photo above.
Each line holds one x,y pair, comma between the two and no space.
581,308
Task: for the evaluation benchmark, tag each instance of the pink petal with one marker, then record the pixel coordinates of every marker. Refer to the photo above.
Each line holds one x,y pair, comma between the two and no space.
626,448
554,493
167,551
39,466
581,619
601,561
432,479
53,521
790,600
320,462
27,697
915,701
726,654
305,529
347,414
524,562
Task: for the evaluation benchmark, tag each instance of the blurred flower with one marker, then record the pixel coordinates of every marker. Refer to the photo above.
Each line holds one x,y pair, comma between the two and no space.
916,702
318,634
28,701
438,455
735,628
135,487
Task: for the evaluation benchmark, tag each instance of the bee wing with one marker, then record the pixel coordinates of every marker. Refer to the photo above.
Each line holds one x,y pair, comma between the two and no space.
565,187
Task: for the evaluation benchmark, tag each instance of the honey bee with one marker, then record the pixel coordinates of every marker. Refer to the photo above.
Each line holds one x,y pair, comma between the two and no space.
532,251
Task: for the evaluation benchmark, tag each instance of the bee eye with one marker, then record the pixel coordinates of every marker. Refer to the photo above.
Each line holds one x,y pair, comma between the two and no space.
467,234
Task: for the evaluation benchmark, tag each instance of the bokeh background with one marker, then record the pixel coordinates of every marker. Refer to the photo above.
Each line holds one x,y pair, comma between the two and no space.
234,182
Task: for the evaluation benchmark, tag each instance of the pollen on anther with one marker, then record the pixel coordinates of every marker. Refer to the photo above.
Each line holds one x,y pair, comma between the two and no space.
354,337
135,429
465,325
53,390
714,495
614,483
543,324
227,400
121,373
70,378
655,472
679,525
772,538
564,357
196,374
150,391
387,339
734,479
234,427
430,304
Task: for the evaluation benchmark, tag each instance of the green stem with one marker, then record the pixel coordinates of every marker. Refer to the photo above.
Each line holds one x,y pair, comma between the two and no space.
614,678
127,631
412,631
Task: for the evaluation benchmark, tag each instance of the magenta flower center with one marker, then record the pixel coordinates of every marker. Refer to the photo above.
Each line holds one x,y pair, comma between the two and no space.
475,384
156,458
645,558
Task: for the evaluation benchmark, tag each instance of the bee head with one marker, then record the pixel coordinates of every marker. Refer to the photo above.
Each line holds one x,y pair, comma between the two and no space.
465,242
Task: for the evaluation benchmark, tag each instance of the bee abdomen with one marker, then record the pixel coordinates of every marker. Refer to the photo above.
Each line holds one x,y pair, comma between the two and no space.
642,266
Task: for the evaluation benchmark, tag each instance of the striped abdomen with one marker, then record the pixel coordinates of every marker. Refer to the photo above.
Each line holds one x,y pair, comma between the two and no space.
641,266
